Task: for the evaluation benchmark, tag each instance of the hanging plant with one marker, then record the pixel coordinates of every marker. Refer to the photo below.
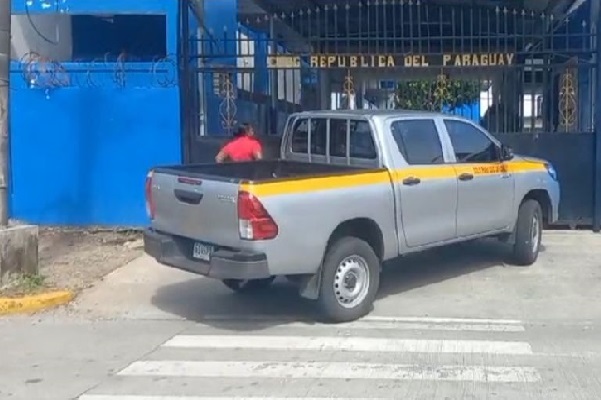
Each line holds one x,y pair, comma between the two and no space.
434,95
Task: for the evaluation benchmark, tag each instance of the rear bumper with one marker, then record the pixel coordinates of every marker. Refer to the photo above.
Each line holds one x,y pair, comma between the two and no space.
175,251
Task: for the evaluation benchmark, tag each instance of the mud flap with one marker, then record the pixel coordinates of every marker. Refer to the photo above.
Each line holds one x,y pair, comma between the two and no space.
309,286
508,238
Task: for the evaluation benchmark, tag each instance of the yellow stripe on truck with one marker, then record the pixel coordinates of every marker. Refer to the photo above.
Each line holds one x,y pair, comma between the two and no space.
515,167
316,184
443,171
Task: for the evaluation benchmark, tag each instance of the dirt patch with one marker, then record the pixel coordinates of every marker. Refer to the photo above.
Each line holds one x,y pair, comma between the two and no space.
77,258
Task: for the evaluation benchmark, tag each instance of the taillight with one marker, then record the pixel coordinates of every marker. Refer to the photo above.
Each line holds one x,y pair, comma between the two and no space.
254,221
149,201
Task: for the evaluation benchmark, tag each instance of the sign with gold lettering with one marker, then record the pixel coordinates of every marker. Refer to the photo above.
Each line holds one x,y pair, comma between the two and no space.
353,61
475,60
325,61
280,62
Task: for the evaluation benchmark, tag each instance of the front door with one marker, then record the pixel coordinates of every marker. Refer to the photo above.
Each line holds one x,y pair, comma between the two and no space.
426,187
485,184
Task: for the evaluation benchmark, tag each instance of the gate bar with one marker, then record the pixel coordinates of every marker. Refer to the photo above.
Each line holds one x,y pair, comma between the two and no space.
184,79
597,163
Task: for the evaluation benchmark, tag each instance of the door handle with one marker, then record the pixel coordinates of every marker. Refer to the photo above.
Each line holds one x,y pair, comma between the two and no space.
466,177
411,181
188,197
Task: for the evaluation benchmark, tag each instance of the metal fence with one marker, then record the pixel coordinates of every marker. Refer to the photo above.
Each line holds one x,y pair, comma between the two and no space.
512,70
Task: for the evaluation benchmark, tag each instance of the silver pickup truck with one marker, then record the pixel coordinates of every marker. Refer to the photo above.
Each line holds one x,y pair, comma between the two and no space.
351,190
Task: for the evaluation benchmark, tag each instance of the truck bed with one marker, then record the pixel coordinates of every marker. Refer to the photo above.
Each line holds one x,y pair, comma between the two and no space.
258,171
198,201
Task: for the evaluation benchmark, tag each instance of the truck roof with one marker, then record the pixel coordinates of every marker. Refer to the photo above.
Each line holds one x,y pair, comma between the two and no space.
371,113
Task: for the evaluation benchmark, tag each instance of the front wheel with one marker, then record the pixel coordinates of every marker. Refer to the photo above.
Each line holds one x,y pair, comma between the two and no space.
350,280
248,285
528,233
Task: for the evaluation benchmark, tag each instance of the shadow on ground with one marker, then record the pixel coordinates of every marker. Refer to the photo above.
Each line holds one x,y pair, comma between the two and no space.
209,302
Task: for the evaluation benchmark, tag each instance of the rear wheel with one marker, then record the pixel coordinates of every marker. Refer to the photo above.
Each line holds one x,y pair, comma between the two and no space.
350,280
528,233
248,285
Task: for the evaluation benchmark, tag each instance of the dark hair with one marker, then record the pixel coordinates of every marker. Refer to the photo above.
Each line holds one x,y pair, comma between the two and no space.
242,130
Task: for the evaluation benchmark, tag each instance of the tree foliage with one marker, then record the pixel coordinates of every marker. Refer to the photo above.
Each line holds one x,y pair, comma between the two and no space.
433,95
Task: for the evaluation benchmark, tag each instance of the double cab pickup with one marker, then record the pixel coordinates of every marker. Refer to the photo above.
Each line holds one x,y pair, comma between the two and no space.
351,190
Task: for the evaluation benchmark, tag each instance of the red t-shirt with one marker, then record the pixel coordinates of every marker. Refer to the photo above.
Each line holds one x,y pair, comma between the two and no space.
242,148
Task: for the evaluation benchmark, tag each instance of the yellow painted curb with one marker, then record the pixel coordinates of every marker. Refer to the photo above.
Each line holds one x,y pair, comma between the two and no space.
31,304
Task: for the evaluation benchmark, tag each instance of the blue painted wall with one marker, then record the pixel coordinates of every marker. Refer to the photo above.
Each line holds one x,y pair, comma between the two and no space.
468,111
79,154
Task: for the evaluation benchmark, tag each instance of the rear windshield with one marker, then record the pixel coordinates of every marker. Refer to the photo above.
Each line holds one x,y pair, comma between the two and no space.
348,138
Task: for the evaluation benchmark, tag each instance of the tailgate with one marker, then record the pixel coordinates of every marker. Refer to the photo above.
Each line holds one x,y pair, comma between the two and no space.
204,209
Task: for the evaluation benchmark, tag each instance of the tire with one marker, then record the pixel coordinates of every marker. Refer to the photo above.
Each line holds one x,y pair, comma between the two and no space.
361,265
528,233
248,286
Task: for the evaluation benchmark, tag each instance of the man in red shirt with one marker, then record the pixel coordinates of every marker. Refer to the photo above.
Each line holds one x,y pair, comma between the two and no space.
244,147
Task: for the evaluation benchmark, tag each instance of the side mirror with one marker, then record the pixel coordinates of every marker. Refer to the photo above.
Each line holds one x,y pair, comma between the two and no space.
506,153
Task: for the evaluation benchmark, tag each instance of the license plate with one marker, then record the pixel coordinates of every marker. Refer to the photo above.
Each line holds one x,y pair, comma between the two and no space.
202,251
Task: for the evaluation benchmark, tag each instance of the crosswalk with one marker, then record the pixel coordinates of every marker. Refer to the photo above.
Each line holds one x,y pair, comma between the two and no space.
226,358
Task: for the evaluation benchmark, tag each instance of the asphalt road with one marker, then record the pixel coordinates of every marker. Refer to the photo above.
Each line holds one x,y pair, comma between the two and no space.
456,323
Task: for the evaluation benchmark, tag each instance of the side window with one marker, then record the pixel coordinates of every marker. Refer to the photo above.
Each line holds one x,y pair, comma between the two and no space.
300,133
362,143
418,141
470,144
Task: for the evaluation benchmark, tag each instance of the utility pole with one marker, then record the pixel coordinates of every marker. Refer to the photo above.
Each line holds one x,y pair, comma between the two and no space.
5,12
597,159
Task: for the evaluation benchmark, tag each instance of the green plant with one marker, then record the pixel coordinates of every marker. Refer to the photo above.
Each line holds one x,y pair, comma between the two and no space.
31,282
433,95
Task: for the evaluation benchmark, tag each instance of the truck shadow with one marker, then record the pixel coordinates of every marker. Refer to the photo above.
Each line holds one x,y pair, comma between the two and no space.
434,266
208,302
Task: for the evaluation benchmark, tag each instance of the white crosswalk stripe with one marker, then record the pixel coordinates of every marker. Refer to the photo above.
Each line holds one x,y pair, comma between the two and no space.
320,370
252,358
143,397
357,344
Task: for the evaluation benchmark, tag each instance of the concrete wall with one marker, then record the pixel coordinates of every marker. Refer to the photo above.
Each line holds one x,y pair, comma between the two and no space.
56,28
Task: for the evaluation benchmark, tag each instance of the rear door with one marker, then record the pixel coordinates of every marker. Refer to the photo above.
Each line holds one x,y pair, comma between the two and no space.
426,187
195,207
485,184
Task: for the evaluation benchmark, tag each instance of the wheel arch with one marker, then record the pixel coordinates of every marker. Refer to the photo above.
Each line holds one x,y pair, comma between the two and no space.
362,228
542,197
365,229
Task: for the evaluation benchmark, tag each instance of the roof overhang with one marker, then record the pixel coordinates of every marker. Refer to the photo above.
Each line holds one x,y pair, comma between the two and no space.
251,7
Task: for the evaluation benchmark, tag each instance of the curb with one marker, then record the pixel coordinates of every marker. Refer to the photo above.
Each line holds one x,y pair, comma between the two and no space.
32,304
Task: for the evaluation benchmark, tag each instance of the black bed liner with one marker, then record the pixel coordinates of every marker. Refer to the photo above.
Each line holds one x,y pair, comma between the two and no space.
260,171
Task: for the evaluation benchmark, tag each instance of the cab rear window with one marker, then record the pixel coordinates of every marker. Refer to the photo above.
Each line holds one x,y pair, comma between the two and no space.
352,138
300,136
360,139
